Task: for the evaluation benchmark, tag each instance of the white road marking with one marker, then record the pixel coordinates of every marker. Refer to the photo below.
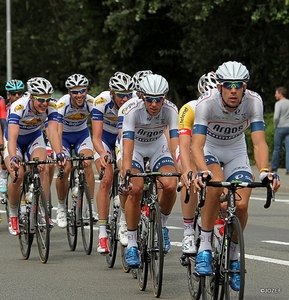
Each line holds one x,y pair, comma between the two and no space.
264,199
276,242
268,259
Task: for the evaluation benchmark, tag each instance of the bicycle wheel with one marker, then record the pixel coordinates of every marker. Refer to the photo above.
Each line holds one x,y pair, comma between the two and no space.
111,229
71,228
194,282
156,249
234,228
42,226
86,220
125,267
142,271
25,237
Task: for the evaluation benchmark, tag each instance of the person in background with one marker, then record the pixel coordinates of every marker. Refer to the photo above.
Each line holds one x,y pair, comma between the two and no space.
15,89
281,125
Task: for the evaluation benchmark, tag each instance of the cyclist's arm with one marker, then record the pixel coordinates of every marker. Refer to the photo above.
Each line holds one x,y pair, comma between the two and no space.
198,142
97,128
128,146
53,136
1,136
261,151
13,133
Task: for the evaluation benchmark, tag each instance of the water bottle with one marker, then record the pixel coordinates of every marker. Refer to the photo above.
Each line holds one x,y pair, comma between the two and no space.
23,205
219,232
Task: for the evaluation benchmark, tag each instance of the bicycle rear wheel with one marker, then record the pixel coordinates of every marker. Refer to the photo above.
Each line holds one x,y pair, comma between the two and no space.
25,237
156,249
124,265
142,271
42,226
111,229
234,228
71,202
86,220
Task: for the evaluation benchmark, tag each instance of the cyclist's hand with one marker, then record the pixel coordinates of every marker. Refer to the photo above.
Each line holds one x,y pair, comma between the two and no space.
185,181
122,190
199,180
61,159
14,163
266,176
104,160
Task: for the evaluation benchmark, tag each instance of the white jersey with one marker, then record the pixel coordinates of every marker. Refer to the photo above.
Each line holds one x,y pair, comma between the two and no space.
143,128
74,118
105,110
222,127
20,113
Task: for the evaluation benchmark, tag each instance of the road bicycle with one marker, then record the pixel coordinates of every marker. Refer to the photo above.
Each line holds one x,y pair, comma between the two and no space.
149,233
4,201
217,285
79,206
33,211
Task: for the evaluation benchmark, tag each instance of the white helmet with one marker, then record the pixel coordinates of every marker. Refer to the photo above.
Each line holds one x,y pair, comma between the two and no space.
137,78
207,82
76,80
39,86
232,71
154,84
120,82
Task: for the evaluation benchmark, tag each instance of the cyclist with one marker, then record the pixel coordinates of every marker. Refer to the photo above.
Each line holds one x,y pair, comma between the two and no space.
74,108
24,137
137,77
144,125
104,128
15,89
222,116
186,122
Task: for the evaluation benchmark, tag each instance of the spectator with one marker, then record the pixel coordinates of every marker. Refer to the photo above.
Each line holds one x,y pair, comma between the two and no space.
281,125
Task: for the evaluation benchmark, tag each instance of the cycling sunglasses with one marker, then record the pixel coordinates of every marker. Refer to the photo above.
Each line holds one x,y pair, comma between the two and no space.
150,99
122,95
42,100
233,84
19,93
75,92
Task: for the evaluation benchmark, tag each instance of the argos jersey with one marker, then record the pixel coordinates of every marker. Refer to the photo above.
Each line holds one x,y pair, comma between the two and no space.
223,127
74,118
187,117
139,125
20,113
105,110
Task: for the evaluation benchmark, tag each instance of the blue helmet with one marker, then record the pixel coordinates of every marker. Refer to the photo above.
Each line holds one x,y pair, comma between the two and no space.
14,85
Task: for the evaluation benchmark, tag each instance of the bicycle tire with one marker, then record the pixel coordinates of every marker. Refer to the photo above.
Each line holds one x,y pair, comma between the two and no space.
156,249
86,221
112,239
194,282
112,223
142,271
71,228
25,237
42,226
124,265
227,292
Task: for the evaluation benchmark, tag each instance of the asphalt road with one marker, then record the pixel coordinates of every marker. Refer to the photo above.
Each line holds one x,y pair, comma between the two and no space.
75,275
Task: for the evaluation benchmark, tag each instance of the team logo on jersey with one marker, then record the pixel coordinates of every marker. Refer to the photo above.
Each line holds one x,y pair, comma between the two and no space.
52,104
90,101
18,107
34,121
100,100
60,105
78,116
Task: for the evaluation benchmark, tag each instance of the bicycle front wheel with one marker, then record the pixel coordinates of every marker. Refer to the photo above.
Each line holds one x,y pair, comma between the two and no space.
25,237
156,249
111,229
86,220
42,226
234,232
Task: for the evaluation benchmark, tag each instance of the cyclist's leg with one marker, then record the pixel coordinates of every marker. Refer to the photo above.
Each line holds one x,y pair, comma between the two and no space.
102,201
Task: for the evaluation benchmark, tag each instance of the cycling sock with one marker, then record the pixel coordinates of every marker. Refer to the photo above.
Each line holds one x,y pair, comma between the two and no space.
102,228
13,210
188,226
61,204
164,219
205,244
131,235
234,251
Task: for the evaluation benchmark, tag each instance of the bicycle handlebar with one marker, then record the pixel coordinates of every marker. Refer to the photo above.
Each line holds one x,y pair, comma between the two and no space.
129,175
238,184
80,158
102,170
